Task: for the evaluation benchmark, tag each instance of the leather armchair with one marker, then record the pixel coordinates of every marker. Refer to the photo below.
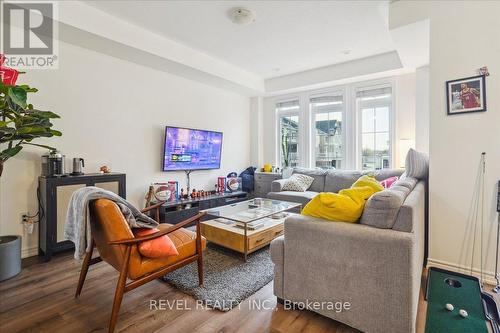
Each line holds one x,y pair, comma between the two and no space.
117,246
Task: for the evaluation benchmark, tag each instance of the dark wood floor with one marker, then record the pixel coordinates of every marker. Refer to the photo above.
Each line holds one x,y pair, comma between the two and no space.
40,299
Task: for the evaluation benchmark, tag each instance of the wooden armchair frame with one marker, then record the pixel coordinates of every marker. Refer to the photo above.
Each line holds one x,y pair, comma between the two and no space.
122,285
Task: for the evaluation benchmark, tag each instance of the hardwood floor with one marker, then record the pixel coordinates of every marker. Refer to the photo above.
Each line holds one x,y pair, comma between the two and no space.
41,299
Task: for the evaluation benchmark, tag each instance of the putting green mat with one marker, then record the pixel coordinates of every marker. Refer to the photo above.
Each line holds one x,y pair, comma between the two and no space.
441,289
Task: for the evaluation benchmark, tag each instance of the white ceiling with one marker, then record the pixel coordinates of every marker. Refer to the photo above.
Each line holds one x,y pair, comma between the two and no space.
287,36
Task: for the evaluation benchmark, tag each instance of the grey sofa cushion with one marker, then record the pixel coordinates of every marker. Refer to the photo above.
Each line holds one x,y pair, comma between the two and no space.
384,173
417,164
411,215
400,188
408,182
318,184
337,180
381,210
298,197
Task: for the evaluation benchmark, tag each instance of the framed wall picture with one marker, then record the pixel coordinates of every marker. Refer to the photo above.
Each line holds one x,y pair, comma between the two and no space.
466,95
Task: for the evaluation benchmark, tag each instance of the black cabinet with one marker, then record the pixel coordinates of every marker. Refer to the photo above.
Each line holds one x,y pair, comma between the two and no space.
54,196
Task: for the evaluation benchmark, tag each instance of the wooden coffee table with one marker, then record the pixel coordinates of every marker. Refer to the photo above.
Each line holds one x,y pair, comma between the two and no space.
230,225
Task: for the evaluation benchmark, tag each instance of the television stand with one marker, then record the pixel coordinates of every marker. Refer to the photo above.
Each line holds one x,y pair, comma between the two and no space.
179,210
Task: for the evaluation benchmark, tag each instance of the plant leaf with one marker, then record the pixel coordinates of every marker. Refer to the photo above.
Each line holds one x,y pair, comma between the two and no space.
55,132
43,114
38,145
27,88
9,152
18,96
31,130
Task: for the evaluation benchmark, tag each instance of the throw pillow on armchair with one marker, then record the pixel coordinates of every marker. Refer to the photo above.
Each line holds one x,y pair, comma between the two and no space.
155,248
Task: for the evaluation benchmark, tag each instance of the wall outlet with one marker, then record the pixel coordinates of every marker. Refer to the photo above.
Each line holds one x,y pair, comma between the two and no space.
28,219
28,222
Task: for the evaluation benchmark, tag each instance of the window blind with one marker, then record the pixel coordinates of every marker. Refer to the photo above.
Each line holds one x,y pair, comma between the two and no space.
327,99
287,105
374,92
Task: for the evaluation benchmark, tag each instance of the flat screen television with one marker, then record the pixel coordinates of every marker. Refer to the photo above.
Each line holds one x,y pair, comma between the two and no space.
191,149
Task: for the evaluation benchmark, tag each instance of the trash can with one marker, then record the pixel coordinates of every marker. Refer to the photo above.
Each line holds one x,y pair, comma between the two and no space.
10,256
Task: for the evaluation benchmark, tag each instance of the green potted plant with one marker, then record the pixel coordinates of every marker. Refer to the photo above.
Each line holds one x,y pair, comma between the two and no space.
285,147
20,122
285,150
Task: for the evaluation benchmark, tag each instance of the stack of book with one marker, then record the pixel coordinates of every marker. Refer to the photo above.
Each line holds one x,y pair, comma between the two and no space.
251,225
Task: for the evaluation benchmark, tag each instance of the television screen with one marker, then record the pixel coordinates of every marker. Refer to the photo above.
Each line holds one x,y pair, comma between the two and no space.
191,149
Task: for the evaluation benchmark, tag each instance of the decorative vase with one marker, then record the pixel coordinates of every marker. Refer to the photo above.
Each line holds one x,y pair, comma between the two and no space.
286,172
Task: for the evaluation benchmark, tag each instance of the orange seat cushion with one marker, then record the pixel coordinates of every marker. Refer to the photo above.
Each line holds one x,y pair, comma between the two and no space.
155,248
185,243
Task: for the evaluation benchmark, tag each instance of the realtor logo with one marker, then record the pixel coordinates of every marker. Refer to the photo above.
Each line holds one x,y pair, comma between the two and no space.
29,38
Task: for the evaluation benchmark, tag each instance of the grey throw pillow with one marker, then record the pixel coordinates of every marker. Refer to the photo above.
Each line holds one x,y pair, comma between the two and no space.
416,164
298,183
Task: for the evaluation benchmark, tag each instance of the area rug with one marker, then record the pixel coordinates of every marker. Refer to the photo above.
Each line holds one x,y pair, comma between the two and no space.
228,279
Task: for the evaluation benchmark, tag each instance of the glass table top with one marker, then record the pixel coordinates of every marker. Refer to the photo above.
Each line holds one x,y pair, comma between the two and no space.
251,210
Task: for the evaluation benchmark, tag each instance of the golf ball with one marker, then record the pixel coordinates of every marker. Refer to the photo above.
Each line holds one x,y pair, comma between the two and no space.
449,307
463,313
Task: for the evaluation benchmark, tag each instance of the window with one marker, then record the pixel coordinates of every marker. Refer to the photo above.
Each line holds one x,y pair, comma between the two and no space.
327,131
288,132
374,107
343,127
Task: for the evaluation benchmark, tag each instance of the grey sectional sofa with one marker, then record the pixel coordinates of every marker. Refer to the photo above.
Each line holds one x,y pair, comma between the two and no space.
374,266
324,181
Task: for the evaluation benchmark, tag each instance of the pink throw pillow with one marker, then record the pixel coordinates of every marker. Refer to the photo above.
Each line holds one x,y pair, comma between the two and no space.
386,183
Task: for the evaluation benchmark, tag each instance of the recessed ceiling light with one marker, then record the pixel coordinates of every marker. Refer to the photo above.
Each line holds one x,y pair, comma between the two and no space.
241,16
345,52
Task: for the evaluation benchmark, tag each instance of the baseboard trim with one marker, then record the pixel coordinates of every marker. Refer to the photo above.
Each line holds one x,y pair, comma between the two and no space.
488,276
29,252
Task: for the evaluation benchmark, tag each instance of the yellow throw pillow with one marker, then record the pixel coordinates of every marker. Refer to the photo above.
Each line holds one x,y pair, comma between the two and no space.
345,206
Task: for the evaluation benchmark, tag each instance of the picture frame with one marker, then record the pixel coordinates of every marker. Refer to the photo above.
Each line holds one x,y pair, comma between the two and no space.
466,95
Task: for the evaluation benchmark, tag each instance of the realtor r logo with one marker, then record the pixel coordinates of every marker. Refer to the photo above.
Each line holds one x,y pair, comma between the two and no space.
29,34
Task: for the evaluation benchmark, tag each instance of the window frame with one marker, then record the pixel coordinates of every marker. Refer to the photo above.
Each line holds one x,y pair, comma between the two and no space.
351,134
287,113
312,123
374,103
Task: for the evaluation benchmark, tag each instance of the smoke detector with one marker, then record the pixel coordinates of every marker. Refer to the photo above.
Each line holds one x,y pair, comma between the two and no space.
241,16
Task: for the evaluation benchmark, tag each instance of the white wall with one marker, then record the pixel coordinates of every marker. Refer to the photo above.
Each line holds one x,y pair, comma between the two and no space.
256,130
114,112
464,36
404,118
422,109
405,112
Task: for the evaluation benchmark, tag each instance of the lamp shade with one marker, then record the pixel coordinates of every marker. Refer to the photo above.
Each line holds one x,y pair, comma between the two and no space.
404,147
